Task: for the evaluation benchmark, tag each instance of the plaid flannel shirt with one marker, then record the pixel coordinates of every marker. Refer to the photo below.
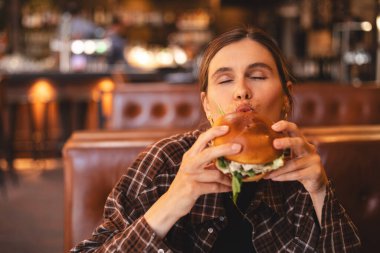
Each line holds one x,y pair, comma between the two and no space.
281,213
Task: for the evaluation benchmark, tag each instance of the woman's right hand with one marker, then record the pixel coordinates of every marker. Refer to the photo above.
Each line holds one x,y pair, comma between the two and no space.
196,176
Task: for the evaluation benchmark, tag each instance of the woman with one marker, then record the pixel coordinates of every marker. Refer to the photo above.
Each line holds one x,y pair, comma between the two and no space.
173,199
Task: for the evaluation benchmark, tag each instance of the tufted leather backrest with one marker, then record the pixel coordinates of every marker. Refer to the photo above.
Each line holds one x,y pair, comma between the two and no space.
156,106
328,105
178,106
94,161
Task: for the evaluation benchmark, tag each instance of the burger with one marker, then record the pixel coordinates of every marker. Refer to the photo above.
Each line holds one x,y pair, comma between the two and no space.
257,156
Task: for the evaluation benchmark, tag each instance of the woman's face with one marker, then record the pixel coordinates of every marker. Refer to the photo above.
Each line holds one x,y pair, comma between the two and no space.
243,76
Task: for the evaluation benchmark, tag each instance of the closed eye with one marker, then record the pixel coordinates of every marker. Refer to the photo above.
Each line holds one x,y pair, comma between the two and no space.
225,81
257,77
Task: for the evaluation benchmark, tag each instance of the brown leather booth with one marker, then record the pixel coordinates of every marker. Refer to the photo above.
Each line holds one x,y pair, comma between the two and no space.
95,160
333,104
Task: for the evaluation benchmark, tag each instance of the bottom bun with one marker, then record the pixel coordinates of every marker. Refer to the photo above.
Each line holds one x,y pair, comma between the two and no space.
254,178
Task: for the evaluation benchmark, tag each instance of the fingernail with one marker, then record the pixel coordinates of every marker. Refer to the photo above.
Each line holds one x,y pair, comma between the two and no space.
223,128
277,143
276,126
236,147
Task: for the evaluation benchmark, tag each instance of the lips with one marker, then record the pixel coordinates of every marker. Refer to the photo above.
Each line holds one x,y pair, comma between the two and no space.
244,108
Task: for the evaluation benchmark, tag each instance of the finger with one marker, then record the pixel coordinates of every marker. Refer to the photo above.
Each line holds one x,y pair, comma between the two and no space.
193,163
298,145
205,138
293,131
213,176
295,175
293,167
212,153
287,126
207,188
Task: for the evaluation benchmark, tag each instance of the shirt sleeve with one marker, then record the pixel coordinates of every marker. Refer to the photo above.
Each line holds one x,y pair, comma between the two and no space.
137,237
338,232
124,228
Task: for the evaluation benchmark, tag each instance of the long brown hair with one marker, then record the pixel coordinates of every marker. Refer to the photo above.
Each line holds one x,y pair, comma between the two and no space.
236,35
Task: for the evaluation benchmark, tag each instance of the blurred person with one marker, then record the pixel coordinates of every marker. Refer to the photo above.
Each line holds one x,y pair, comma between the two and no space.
79,26
174,199
114,33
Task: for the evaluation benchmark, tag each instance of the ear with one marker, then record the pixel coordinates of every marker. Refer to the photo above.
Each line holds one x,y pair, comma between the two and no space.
289,85
205,103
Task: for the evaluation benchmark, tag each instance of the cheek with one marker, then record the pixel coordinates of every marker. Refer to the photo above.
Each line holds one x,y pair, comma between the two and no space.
275,100
219,101
272,103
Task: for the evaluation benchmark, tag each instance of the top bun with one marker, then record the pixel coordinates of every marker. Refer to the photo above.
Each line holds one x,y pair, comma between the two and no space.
253,132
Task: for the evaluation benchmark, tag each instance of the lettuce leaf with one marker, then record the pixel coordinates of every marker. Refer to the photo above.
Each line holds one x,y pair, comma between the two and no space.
236,185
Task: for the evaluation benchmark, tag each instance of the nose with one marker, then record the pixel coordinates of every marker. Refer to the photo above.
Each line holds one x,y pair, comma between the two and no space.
243,92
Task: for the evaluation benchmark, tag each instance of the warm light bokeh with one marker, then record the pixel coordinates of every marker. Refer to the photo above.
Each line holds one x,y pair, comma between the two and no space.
41,91
103,92
40,94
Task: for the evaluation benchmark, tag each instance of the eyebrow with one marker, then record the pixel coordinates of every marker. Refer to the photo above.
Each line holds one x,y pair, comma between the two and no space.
250,66
260,65
220,70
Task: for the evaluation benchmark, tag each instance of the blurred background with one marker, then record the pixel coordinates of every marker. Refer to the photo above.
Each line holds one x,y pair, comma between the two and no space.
68,66
323,40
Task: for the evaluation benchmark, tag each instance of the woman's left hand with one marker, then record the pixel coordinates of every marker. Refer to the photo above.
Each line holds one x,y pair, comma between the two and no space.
305,164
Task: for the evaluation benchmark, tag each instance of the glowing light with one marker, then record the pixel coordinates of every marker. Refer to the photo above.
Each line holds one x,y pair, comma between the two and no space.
378,22
357,57
89,47
41,91
77,47
106,85
180,56
78,62
39,95
164,58
140,57
101,46
366,26
154,57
